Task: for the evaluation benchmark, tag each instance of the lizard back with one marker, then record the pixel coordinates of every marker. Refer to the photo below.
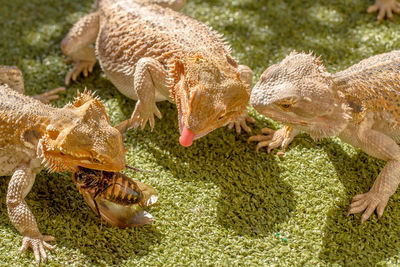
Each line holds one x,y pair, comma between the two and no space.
372,85
131,30
18,113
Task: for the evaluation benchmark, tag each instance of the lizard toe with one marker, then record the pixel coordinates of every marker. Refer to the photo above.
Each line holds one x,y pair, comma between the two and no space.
49,238
368,211
372,9
262,144
258,138
357,206
50,95
238,129
368,202
358,197
250,119
381,208
245,127
38,246
240,123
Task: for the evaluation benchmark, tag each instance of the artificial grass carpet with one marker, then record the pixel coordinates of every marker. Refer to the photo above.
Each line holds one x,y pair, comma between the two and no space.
221,203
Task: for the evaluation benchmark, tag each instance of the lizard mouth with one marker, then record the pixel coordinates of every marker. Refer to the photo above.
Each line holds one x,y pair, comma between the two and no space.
285,118
318,127
183,129
57,161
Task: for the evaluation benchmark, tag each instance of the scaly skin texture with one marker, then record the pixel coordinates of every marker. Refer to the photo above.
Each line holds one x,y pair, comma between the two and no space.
385,8
152,53
360,105
34,135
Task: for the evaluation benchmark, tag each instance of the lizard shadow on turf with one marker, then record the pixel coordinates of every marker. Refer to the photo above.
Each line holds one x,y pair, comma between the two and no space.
273,42
354,243
252,198
56,201
236,209
269,41
59,207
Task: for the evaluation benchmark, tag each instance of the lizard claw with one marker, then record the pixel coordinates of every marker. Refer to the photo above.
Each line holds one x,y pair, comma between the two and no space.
241,122
140,116
272,139
368,202
50,95
386,8
38,244
81,66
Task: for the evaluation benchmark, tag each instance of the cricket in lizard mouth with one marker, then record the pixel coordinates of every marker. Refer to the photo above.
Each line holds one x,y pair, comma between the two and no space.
115,197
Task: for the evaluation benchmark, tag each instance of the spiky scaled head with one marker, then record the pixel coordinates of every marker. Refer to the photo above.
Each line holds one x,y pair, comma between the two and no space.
299,92
208,94
82,136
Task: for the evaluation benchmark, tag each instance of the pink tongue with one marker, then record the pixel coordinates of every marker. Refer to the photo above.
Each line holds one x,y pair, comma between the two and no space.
186,138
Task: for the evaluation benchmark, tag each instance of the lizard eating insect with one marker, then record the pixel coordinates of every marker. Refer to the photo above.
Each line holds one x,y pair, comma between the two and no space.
151,52
115,197
360,105
34,135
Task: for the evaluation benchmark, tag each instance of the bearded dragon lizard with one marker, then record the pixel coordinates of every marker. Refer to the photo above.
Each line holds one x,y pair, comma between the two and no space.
360,105
152,53
34,135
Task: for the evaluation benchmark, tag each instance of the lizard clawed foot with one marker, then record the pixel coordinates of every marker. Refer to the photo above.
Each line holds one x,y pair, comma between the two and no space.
140,116
368,202
386,8
38,244
241,122
271,139
81,66
50,95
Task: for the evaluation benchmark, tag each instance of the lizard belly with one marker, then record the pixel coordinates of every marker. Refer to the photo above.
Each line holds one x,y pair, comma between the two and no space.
124,83
387,124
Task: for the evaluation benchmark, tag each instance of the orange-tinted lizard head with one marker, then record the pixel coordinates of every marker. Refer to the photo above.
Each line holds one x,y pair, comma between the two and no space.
82,136
208,94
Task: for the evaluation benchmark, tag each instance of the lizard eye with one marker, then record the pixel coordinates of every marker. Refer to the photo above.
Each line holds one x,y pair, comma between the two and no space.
285,106
96,160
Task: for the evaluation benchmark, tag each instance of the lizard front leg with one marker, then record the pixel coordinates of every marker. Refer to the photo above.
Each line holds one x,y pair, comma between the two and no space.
274,138
246,75
21,216
150,75
78,45
383,147
378,196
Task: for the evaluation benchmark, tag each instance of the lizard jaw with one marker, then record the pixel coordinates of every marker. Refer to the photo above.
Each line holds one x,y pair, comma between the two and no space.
58,161
182,128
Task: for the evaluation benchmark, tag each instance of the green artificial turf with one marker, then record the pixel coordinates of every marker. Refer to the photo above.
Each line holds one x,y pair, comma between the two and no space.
221,203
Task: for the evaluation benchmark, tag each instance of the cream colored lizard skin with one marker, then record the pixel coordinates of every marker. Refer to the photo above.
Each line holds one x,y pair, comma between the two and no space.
34,135
152,53
360,105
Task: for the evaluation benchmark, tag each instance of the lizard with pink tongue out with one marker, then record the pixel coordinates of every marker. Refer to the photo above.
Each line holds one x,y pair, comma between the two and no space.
186,138
151,52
